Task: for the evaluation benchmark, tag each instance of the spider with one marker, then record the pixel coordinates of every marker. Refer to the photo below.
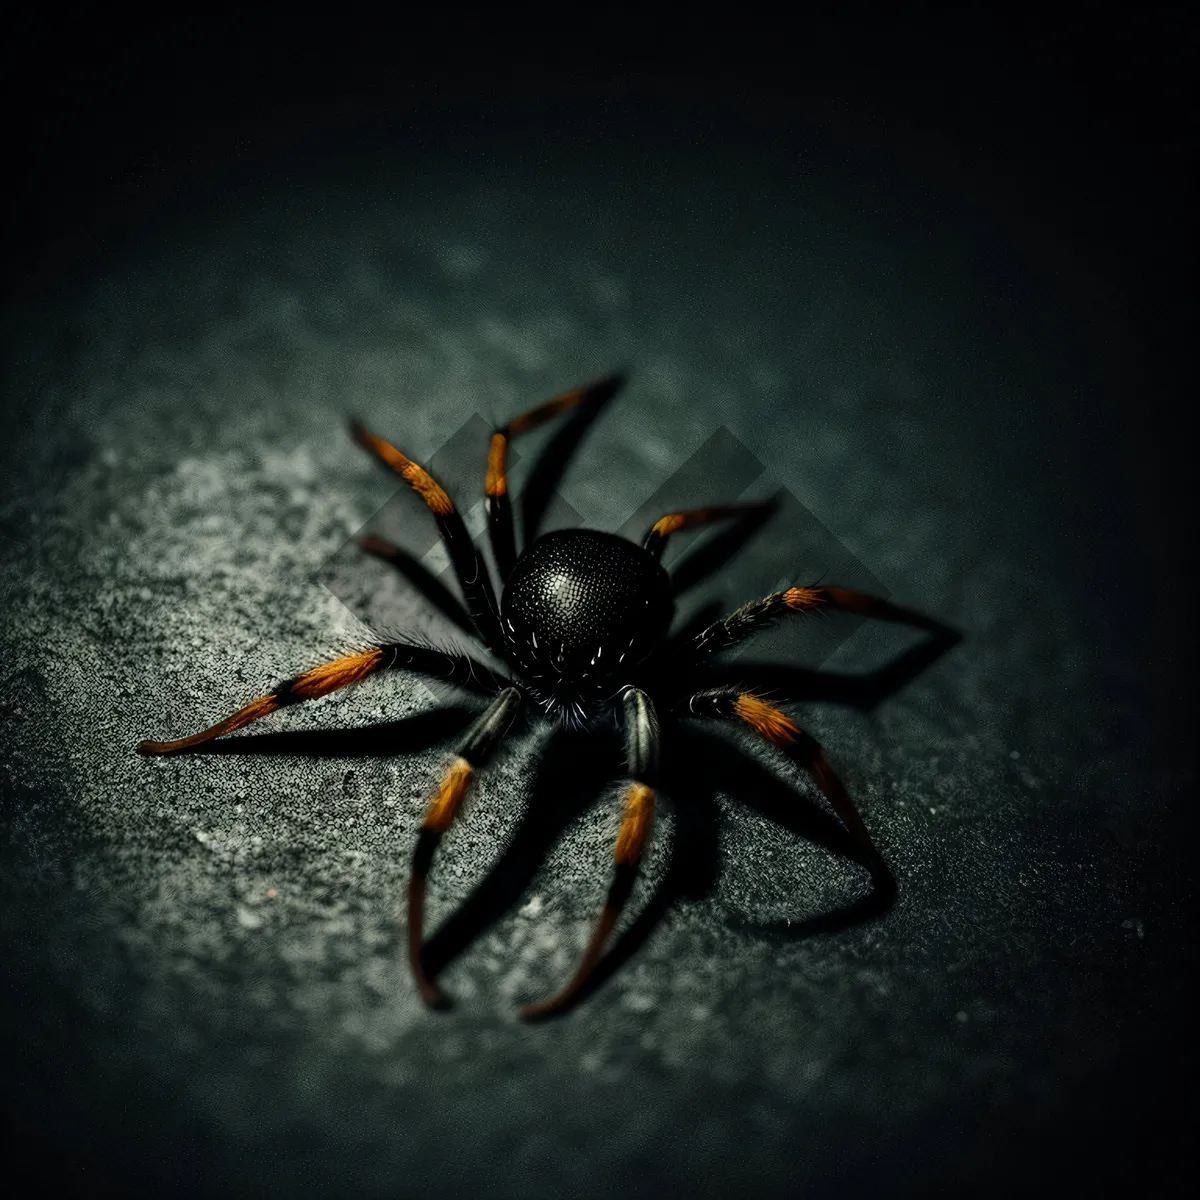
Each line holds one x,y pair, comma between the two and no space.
582,623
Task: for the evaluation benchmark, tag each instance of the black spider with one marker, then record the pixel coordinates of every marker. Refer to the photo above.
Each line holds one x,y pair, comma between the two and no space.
582,622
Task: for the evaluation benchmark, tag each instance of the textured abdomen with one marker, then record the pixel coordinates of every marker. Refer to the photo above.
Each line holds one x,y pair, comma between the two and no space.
580,609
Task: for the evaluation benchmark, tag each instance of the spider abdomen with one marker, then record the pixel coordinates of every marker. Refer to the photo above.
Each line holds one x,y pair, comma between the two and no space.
579,610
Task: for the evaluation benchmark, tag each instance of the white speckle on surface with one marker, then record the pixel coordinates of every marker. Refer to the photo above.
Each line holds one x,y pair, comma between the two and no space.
591,1062
248,919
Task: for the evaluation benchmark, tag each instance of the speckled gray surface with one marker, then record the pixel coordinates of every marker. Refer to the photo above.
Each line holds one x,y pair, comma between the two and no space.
206,951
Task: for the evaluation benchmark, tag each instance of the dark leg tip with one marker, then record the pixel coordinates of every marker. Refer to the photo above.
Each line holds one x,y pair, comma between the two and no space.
434,997
542,1009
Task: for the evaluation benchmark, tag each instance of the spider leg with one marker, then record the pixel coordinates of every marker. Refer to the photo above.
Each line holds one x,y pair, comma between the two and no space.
656,537
474,750
499,509
706,559
420,577
758,614
780,730
472,574
328,677
641,748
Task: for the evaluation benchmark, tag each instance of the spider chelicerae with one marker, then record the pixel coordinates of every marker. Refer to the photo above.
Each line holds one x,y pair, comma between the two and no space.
582,623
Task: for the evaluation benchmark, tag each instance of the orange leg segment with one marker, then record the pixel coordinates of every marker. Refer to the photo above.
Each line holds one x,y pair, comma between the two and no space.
451,666
439,815
319,681
476,747
759,614
641,747
780,730
636,824
469,567
656,539
499,508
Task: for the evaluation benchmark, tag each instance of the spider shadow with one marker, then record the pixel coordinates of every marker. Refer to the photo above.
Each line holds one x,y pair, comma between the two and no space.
706,559
423,581
408,735
717,766
863,691
575,768
578,767
551,464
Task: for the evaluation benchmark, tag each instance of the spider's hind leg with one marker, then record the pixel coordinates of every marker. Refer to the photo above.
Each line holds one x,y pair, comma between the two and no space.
476,747
803,749
641,747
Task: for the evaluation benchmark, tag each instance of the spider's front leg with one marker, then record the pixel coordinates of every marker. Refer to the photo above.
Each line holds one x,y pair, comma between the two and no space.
469,567
641,750
499,510
475,749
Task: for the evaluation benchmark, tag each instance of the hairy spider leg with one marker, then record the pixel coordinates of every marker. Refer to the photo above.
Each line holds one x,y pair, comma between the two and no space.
641,750
328,677
420,577
656,537
499,508
758,614
468,565
476,747
802,748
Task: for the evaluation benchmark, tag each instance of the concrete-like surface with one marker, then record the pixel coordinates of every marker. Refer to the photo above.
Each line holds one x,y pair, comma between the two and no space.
204,954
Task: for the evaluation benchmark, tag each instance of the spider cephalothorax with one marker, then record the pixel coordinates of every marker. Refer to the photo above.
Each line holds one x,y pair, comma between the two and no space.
582,623
580,611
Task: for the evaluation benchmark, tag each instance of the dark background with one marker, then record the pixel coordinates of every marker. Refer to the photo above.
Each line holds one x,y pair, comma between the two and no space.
1007,202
